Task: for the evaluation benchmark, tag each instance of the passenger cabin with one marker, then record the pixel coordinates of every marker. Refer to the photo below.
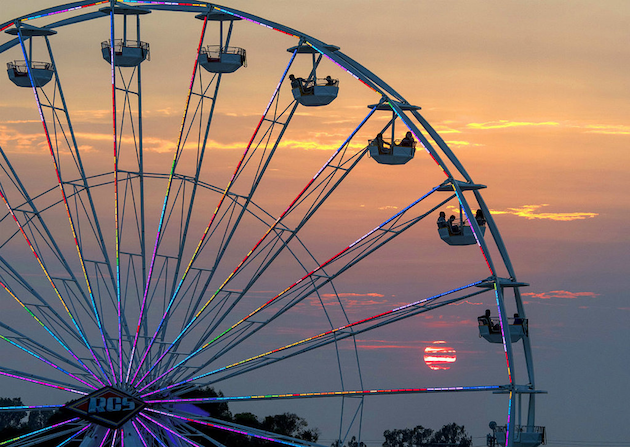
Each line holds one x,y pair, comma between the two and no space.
222,58
127,53
394,154
215,59
463,236
314,91
490,329
524,436
18,71
391,151
42,73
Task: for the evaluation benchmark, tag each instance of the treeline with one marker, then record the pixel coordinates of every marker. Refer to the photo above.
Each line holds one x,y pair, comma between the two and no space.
288,424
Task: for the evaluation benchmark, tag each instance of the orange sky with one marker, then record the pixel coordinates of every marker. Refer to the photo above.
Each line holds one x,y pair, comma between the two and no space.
533,97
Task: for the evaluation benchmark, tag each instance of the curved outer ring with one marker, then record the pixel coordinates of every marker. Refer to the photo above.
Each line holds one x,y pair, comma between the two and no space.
397,103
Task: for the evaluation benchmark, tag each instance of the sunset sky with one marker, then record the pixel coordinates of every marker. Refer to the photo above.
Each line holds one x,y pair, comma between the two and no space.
533,97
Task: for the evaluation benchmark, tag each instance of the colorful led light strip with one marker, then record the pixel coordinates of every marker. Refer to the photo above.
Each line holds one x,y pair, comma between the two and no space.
503,332
178,150
223,427
114,438
205,233
39,382
25,307
49,363
170,430
323,334
105,437
42,430
29,407
144,443
309,43
151,433
328,394
74,436
26,238
271,228
112,62
65,201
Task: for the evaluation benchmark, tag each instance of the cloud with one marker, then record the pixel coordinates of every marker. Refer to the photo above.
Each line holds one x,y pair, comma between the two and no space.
388,207
565,294
529,212
463,144
343,295
502,124
21,142
360,299
442,129
608,129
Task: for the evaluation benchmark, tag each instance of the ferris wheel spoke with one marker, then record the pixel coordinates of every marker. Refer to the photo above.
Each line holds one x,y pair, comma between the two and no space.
187,207
331,336
244,160
324,394
319,188
33,345
240,429
326,338
13,342
178,149
52,318
44,381
356,251
149,431
54,286
26,441
63,192
170,430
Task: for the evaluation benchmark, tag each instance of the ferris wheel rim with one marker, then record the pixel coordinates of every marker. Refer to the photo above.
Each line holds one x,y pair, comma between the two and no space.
345,63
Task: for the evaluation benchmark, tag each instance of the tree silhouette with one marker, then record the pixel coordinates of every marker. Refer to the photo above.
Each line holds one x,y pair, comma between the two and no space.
450,435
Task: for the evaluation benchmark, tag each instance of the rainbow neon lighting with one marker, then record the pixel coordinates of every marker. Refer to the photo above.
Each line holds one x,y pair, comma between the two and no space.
503,332
161,222
144,443
26,238
328,394
170,430
151,433
46,361
39,382
60,11
48,330
318,336
105,437
74,436
271,228
223,427
114,437
29,407
42,430
112,55
65,201
205,233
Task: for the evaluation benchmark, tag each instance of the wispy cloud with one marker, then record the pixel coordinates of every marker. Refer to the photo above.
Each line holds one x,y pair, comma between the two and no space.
503,124
608,129
352,294
458,143
530,212
564,294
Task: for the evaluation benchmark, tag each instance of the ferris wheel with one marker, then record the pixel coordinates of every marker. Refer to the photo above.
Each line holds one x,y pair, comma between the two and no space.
133,277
